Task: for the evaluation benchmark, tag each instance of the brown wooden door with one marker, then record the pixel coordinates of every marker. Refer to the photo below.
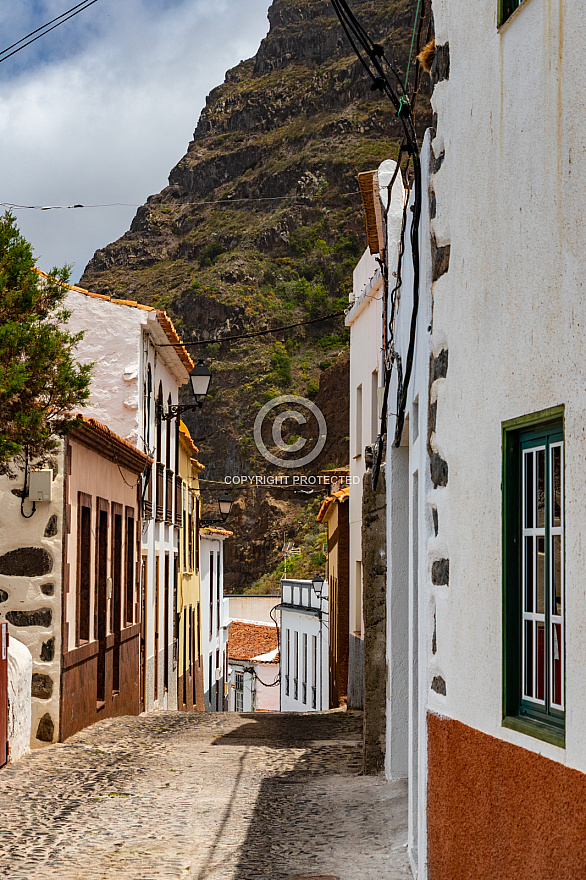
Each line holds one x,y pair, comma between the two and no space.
3,693
102,601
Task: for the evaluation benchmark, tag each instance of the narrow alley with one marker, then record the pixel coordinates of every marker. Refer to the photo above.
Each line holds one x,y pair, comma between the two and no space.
203,796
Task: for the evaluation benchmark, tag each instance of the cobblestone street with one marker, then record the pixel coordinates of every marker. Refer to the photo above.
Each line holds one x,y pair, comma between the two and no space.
203,796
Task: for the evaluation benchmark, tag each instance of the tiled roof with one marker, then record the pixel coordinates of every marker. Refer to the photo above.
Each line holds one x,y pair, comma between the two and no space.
340,496
249,640
163,318
214,531
130,455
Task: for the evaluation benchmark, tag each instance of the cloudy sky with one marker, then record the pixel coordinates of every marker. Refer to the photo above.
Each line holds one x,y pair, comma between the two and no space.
99,110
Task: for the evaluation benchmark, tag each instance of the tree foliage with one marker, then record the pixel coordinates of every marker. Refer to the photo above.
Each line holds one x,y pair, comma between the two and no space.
40,382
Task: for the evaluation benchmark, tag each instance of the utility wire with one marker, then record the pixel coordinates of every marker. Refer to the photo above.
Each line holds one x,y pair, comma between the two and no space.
251,335
45,29
186,204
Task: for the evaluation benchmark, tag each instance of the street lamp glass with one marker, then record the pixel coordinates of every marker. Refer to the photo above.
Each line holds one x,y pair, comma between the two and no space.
318,583
225,504
200,379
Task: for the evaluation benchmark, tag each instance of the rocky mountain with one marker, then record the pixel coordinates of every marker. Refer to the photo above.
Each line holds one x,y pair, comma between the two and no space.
260,226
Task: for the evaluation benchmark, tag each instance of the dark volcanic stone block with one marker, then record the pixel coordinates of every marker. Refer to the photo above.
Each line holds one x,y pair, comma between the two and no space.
46,728
26,562
48,589
40,617
42,686
439,685
3,595
51,527
440,572
48,650
439,470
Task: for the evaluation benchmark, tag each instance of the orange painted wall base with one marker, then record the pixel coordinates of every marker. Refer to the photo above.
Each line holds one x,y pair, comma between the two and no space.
499,812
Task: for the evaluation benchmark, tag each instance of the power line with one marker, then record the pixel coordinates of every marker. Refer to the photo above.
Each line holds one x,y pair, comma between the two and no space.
186,204
251,335
45,29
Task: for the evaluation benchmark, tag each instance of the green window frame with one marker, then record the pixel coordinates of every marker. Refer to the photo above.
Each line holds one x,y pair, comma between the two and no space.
533,576
506,9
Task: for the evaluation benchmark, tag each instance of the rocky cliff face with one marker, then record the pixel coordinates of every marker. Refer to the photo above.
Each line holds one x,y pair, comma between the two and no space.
260,226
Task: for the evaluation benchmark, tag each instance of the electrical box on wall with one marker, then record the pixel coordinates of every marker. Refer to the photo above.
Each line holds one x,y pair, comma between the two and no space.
41,485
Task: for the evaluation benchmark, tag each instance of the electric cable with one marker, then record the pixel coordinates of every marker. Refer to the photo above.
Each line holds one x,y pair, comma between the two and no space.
252,335
186,204
45,29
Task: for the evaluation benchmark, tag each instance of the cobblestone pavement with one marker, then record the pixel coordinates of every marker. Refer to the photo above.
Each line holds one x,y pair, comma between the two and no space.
203,797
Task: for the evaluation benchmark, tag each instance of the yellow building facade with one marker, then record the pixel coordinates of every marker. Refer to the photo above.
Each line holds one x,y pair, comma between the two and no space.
190,691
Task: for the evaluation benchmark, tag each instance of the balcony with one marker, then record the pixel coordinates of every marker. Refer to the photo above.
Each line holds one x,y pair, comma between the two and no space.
148,495
159,500
300,594
178,502
170,488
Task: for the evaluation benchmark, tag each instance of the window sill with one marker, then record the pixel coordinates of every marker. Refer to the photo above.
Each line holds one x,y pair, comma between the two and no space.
536,729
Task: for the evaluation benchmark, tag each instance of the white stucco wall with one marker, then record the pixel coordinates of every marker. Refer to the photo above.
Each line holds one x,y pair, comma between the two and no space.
256,609
300,621
410,545
20,673
366,335
511,311
212,544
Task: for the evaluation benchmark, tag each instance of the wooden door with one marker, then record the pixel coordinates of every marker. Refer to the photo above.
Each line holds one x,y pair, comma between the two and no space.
102,602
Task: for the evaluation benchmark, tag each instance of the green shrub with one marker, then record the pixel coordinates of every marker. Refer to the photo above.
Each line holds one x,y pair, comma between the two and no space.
281,363
312,388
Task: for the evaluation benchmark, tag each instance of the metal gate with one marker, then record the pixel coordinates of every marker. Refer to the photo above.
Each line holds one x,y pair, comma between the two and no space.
3,693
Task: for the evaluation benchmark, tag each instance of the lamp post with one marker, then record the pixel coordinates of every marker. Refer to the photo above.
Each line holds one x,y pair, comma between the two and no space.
199,379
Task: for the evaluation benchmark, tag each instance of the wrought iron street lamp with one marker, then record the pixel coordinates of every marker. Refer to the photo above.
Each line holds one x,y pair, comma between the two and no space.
199,379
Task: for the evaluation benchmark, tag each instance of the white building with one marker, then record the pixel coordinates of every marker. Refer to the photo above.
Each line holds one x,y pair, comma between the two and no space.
139,366
410,638
365,320
253,658
304,647
505,686
215,619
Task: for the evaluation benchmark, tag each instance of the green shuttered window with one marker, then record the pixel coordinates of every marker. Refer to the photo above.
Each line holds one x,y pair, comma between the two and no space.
533,541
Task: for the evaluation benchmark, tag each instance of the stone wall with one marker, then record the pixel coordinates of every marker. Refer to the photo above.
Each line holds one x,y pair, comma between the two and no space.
374,586
30,591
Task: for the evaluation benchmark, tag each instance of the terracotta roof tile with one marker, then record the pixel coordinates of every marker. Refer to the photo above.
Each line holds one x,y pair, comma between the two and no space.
340,496
135,456
249,640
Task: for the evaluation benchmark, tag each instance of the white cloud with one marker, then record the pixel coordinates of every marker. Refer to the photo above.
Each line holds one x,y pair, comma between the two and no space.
108,122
